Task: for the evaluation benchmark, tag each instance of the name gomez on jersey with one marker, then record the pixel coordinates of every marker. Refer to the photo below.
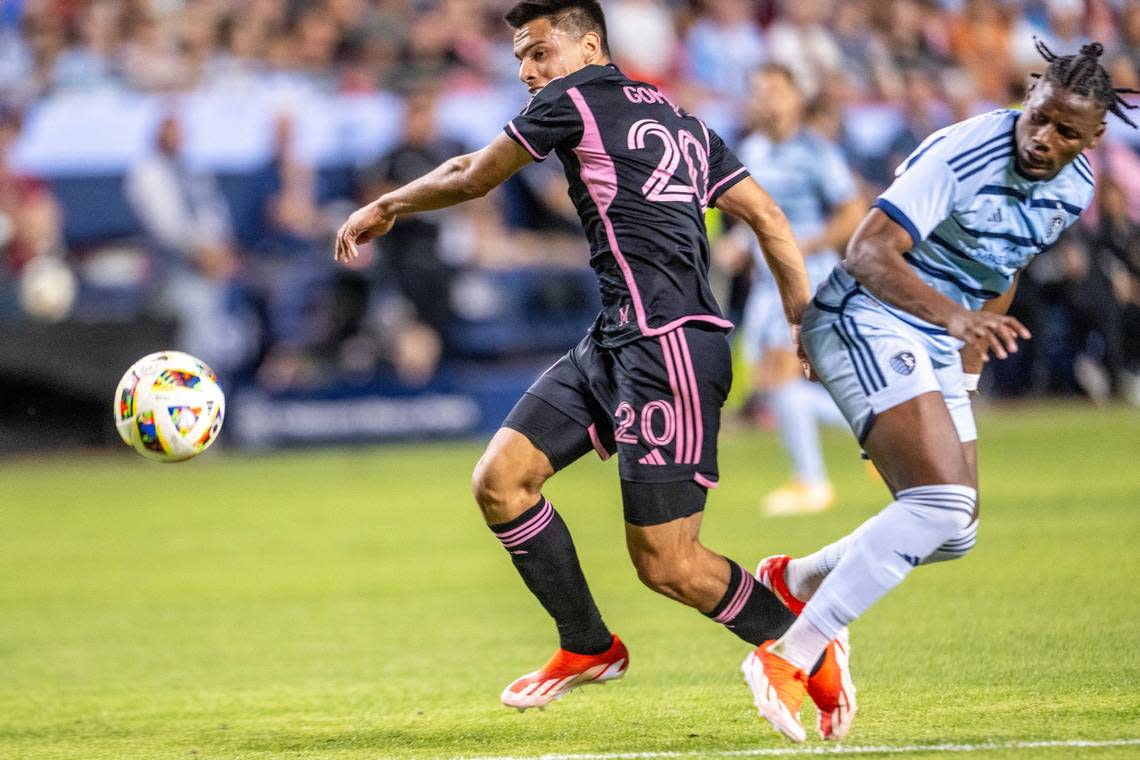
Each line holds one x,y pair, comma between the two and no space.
642,173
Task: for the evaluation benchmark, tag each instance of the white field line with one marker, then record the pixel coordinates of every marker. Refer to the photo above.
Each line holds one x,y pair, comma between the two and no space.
809,751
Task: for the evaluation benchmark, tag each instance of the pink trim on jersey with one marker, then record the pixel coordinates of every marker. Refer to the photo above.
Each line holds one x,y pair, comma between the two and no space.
743,591
529,529
703,481
678,402
600,177
712,191
523,142
598,447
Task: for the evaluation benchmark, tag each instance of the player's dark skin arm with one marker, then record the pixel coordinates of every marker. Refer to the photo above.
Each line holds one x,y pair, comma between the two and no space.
456,180
875,259
972,361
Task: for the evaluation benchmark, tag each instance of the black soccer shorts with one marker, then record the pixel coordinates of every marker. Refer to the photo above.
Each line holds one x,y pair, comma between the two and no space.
655,402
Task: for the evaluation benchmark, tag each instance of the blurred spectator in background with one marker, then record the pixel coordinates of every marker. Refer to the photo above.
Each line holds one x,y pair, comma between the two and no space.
923,113
980,40
863,55
31,239
89,61
723,46
412,276
643,36
29,216
45,38
187,223
913,40
800,40
1130,32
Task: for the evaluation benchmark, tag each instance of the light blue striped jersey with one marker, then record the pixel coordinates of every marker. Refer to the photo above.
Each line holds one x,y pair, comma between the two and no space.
806,175
974,218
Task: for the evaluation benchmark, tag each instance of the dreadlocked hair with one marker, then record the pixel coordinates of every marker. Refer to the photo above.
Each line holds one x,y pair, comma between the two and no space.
1082,74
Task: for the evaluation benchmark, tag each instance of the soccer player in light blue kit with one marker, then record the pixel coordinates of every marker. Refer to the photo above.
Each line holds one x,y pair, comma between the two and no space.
808,177
930,271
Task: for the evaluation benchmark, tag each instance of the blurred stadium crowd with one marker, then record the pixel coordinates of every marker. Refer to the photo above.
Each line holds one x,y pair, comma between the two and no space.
187,161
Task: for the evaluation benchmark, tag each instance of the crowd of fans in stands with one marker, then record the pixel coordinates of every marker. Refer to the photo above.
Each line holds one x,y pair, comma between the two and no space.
881,75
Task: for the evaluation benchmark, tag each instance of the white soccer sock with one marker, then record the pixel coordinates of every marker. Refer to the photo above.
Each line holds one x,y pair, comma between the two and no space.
803,575
803,647
958,546
880,555
798,431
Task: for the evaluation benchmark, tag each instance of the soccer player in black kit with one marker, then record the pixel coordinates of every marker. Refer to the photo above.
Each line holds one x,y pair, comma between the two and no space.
649,379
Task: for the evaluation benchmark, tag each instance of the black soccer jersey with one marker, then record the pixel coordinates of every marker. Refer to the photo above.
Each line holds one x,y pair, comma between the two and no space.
642,173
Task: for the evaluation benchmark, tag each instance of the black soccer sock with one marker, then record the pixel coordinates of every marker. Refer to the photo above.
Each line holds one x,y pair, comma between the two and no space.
750,610
543,553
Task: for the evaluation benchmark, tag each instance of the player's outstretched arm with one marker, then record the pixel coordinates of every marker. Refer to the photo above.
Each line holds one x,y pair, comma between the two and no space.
454,181
750,203
875,259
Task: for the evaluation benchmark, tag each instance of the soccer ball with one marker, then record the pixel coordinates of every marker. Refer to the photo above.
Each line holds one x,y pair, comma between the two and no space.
168,406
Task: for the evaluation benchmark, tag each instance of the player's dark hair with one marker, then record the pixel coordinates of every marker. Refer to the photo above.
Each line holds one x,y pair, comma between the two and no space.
577,16
1083,75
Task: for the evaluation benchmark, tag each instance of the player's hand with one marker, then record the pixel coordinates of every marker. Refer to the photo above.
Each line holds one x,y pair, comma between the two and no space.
365,223
985,332
805,363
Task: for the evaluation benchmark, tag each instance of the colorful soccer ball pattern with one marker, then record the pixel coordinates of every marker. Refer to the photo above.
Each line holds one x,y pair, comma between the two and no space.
168,406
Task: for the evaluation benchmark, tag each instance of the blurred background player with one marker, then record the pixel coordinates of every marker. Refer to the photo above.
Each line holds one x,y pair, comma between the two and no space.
808,177
899,332
649,379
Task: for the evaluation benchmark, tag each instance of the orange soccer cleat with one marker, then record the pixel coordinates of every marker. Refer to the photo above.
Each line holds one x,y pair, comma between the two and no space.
566,671
833,691
778,689
770,573
831,686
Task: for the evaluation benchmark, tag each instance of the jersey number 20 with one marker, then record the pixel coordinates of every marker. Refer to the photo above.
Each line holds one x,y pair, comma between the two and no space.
661,186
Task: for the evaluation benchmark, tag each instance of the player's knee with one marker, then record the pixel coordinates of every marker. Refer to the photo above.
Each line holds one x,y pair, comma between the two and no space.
956,547
503,491
948,508
662,578
667,575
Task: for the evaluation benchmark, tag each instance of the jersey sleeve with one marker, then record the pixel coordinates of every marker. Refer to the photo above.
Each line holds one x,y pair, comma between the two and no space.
925,191
550,120
836,183
725,169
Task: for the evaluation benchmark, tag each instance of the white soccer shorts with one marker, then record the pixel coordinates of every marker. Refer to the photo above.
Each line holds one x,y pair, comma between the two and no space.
871,361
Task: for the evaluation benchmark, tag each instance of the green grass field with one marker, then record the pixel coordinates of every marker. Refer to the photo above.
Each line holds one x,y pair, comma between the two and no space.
350,604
